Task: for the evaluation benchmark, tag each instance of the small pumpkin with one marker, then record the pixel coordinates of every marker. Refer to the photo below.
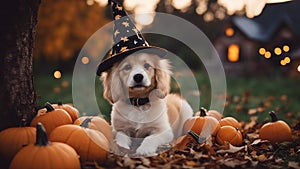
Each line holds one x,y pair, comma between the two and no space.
230,121
72,111
90,144
44,154
281,129
198,123
97,123
230,135
52,118
215,114
13,139
212,113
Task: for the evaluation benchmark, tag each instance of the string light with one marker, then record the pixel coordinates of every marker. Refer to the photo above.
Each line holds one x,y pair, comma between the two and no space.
268,55
287,59
262,51
298,68
286,48
277,51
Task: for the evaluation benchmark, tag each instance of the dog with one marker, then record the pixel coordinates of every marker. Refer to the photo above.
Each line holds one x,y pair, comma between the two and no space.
138,89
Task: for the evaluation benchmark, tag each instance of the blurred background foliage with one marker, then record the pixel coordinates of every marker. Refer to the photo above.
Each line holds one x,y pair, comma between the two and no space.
64,26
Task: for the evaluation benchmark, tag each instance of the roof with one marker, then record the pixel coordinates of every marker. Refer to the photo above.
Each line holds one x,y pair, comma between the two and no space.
264,26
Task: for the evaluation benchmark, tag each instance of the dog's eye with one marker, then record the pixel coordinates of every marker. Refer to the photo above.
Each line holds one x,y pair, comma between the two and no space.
127,67
147,65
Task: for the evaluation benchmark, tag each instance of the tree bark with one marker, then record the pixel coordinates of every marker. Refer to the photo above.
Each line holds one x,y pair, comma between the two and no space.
17,31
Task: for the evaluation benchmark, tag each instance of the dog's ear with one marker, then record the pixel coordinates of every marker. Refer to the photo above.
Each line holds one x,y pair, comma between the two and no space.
162,77
111,86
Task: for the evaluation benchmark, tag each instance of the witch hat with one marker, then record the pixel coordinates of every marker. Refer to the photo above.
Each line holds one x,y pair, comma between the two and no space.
127,39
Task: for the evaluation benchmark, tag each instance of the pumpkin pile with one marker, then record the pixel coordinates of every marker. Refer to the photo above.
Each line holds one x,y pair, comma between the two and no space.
75,140
211,127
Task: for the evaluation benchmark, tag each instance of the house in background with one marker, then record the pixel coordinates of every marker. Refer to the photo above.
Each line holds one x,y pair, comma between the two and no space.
263,44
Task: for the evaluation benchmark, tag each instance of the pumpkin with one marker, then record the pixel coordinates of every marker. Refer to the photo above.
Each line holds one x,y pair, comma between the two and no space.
215,114
90,144
44,154
97,123
202,123
72,111
52,118
276,131
212,113
13,139
230,135
230,121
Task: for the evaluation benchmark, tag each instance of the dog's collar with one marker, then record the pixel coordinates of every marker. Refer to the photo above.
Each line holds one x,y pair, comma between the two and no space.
138,101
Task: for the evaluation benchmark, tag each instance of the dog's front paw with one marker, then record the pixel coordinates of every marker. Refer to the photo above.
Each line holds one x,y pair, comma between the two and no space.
146,148
123,140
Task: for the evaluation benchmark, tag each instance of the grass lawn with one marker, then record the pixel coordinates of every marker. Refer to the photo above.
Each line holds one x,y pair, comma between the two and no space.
246,96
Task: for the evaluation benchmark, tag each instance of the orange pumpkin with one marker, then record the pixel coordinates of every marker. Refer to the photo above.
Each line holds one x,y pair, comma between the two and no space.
276,131
90,144
13,139
97,123
230,121
198,123
215,114
230,135
52,119
72,111
44,154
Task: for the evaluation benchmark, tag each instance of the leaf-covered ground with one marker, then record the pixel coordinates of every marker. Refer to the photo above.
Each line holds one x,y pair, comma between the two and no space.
254,153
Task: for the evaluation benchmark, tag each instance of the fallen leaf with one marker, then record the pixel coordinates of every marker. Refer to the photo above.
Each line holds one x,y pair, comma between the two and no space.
232,149
294,164
262,158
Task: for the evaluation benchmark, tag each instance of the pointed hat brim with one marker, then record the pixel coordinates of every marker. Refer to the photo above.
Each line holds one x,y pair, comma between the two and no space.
108,63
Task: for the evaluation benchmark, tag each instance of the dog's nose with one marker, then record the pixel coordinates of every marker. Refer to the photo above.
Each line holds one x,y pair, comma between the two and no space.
138,78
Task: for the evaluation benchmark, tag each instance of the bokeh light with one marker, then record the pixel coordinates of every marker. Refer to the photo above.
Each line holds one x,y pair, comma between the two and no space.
262,51
57,74
277,51
286,48
85,60
268,55
229,32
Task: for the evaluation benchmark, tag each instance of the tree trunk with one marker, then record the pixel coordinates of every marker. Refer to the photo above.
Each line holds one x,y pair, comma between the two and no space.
17,31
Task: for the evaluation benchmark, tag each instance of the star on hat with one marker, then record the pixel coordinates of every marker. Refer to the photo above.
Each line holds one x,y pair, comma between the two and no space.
127,39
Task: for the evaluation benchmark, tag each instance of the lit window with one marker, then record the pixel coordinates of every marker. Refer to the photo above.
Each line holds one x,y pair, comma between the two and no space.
233,53
229,32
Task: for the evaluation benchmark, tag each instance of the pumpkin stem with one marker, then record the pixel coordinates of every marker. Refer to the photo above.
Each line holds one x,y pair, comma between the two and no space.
273,116
49,107
86,122
59,103
202,112
194,135
41,135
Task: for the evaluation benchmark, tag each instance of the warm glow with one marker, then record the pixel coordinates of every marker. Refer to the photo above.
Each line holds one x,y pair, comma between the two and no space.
287,59
282,62
277,51
101,2
85,60
286,48
181,4
233,53
90,2
262,51
268,55
298,68
252,7
57,74
229,32
144,19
